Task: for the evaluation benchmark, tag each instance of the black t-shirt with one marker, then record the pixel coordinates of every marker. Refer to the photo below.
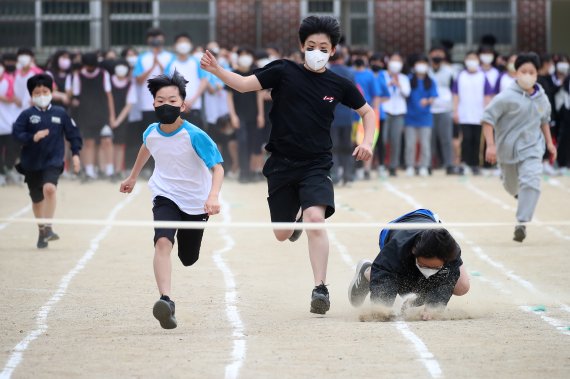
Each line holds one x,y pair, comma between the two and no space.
245,104
303,108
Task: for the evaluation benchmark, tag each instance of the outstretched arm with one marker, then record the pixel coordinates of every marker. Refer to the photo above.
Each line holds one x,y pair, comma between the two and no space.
491,151
548,138
128,184
212,205
363,152
236,81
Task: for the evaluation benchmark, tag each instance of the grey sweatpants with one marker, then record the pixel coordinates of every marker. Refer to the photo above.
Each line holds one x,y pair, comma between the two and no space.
392,135
412,135
523,179
442,134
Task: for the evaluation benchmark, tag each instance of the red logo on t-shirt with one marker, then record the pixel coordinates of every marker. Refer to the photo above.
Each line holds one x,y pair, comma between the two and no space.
330,99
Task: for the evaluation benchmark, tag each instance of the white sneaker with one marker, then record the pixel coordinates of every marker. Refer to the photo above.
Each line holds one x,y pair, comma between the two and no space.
424,172
382,173
547,169
410,171
2,180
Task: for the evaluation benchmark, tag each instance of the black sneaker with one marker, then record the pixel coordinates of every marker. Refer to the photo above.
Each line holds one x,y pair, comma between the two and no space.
297,232
359,286
163,311
320,302
42,241
50,235
520,233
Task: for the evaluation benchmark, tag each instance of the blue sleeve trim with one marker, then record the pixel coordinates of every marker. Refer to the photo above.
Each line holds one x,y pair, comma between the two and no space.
206,149
139,69
148,130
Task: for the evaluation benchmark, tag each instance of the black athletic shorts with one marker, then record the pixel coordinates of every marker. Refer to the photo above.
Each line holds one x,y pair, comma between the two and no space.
189,240
36,180
298,184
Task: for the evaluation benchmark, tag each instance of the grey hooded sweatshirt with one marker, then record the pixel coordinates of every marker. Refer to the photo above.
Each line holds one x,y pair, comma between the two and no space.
517,118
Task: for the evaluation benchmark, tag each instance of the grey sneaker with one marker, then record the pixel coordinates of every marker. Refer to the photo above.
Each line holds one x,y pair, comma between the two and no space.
520,233
50,235
320,302
42,241
359,286
163,311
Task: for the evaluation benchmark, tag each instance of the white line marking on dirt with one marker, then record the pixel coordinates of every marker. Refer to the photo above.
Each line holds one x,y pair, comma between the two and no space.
557,232
426,357
561,326
15,215
557,184
41,318
239,338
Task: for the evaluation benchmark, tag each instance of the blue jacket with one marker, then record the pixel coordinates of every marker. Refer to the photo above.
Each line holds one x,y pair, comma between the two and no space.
49,151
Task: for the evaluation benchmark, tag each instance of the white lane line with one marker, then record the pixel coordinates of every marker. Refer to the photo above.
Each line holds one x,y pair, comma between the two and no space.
481,255
562,326
507,207
41,318
14,215
426,357
556,183
239,338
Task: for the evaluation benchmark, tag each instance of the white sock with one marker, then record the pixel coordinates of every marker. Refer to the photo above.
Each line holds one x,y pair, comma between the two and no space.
109,169
90,170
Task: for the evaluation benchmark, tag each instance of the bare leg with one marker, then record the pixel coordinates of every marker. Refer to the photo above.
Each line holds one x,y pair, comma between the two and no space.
88,156
318,243
162,265
233,151
49,201
106,156
119,157
284,234
462,285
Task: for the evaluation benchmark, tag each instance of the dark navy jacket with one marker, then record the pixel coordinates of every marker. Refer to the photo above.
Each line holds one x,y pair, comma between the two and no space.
49,151
394,270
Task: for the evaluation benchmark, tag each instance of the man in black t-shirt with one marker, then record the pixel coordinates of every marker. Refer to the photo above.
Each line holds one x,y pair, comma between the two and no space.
298,170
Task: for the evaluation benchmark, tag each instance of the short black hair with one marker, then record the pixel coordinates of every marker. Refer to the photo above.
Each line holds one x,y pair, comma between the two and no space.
436,243
182,35
164,80
245,49
529,57
9,57
25,51
154,32
324,24
90,59
38,81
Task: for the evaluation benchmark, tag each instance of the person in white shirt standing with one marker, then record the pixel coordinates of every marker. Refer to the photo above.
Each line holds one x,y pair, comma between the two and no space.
189,67
185,184
26,68
442,108
395,108
8,114
471,93
155,61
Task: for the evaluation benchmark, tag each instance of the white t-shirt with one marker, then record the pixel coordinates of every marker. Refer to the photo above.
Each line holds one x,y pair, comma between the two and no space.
443,103
505,82
8,111
182,162
471,88
21,87
216,103
191,71
396,104
144,63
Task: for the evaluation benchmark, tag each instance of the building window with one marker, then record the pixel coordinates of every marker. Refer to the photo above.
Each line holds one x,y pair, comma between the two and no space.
356,18
129,21
17,25
465,22
192,17
65,23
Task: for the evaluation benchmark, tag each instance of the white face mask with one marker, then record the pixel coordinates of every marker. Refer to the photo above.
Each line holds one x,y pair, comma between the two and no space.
472,64
421,68
24,60
486,58
245,61
426,272
263,62
121,70
132,60
395,66
562,67
551,69
183,47
526,81
64,63
316,59
41,101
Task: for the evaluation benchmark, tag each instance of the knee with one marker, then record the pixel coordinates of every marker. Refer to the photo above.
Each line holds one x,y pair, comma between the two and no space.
49,189
462,287
312,216
282,235
163,246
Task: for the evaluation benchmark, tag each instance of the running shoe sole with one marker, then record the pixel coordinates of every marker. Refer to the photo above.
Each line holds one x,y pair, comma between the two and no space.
520,233
357,299
320,304
51,237
297,232
163,313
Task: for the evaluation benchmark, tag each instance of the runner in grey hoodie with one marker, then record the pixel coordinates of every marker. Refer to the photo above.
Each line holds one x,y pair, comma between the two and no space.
519,117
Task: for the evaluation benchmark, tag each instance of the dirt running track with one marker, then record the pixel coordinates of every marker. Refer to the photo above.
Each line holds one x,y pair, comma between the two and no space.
243,309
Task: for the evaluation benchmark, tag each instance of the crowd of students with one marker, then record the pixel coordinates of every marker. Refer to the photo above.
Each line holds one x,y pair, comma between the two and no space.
429,109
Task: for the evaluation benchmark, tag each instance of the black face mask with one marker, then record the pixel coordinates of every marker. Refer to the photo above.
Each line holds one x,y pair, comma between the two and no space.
376,67
359,62
10,68
167,113
502,67
155,42
437,60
